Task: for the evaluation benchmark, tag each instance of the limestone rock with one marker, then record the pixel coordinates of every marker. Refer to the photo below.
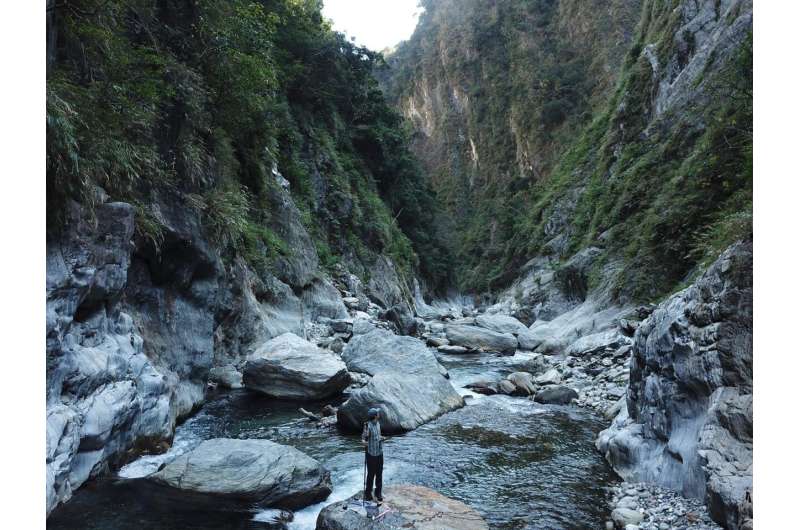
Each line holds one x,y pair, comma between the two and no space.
289,367
481,339
257,472
406,401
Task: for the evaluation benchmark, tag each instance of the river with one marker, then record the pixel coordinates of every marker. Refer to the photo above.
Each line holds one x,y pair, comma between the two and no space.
520,464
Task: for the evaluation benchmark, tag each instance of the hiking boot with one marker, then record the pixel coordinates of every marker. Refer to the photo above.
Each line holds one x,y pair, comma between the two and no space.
379,498
367,496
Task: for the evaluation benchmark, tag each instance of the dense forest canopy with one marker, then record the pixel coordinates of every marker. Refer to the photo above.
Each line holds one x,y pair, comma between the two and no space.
209,100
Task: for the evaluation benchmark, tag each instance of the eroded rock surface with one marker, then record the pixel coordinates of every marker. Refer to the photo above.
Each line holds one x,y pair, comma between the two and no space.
413,507
289,367
252,471
688,420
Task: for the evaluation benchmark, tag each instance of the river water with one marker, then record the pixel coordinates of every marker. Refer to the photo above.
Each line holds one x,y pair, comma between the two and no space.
520,464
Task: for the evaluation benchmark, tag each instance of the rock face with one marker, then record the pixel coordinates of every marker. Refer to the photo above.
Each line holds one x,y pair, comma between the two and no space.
289,367
414,507
406,401
381,350
481,339
688,420
250,471
112,377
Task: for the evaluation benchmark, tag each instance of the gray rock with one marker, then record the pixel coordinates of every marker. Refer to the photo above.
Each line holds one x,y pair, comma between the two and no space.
608,340
435,342
381,350
453,350
687,424
486,388
257,472
406,401
362,326
412,507
625,516
322,300
289,367
501,324
506,387
550,377
481,339
556,395
523,383
226,376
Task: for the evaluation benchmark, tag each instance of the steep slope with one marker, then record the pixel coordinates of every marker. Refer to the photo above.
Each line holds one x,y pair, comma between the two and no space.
215,170
570,126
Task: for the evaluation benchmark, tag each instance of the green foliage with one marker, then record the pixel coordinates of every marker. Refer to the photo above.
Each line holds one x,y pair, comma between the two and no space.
201,101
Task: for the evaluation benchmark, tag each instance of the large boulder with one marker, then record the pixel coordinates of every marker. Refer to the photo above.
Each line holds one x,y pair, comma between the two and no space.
254,472
688,420
501,324
481,339
409,506
289,367
406,401
381,350
556,395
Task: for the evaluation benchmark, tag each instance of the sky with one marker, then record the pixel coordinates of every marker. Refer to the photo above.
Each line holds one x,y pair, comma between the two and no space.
376,24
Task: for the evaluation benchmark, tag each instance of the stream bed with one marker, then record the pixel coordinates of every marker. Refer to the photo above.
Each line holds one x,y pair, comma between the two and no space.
520,464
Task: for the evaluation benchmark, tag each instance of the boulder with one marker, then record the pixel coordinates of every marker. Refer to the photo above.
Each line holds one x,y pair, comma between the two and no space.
481,339
252,472
411,507
289,367
506,387
453,350
226,376
556,395
550,377
406,401
381,350
435,342
626,516
402,317
362,326
523,383
501,324
483,387
608,340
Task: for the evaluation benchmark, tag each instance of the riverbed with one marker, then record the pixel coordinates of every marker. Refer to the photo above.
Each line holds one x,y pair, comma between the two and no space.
522,465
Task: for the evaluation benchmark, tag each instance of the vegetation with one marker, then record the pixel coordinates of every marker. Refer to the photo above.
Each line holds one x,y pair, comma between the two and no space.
205,100
565,152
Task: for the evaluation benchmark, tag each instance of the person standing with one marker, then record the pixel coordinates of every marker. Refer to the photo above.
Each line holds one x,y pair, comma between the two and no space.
373,444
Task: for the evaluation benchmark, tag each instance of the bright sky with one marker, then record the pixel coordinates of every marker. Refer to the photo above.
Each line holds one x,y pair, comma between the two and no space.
376,24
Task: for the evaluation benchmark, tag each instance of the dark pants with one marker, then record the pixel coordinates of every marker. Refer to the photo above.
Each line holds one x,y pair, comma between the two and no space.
374,474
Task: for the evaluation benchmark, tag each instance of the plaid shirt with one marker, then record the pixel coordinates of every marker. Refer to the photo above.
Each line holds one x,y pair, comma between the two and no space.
372,435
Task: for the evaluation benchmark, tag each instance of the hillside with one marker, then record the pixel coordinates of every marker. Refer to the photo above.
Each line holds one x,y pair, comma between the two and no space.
548,127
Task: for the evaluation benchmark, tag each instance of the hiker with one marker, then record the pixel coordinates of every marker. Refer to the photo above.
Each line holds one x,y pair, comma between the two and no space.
373,443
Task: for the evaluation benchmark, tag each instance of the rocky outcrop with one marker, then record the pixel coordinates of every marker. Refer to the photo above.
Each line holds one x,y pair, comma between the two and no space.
477,338
406,401
124,362
405,506
688,421
289,367
255,472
